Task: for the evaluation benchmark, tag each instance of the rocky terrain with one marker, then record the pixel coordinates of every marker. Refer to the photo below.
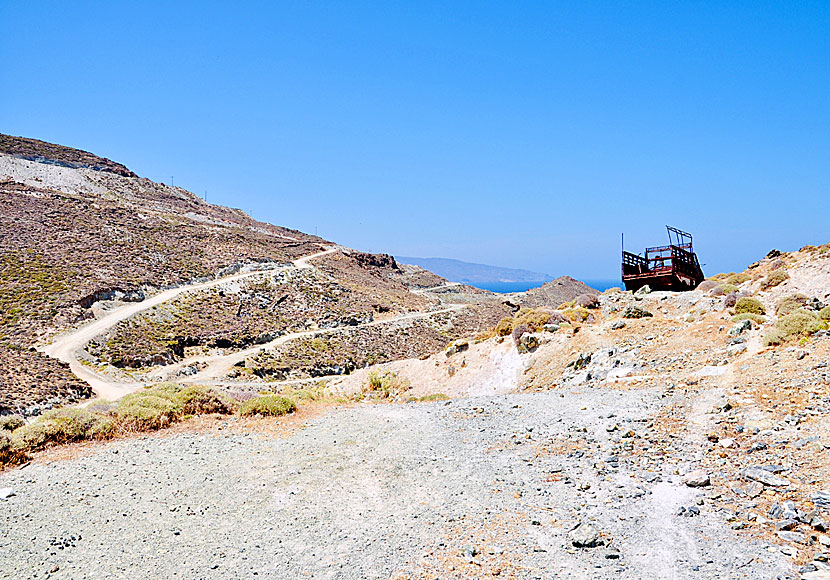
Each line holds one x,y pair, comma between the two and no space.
439,432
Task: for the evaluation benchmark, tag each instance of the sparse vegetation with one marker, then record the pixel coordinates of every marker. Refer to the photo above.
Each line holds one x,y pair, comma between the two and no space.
11,422
737,279
800,323
431,398
749,305
774,278
385,385
61,426
728,288
267,405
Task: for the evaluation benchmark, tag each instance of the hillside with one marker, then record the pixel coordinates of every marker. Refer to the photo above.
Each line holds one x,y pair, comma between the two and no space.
84,236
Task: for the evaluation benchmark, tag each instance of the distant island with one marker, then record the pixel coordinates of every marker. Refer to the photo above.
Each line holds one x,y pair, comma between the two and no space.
494,278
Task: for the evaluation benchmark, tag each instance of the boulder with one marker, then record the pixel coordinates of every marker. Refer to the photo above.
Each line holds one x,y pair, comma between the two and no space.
764,476
528,342
457,346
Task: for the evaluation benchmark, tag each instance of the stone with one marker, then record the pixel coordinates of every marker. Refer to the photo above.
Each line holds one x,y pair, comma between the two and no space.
636,312
766,477
618,325
796,537
739,328
824,540
457,346
528,343
551,327
697,478
736,349
6,492
643,290
585,536
821,499
817,575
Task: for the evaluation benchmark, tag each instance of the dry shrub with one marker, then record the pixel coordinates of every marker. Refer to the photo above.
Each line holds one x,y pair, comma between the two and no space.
717,291
505,326
730,300
386,385
737,279
750,305
728,288
577,314
61,426
824,314
790,304
535,319
518,332
558,318
268,405
776,264
774,278
707,285
199,400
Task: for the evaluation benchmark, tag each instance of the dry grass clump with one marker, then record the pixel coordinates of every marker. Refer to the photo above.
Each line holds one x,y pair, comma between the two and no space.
824,314
774,278
728,288
798,323
386,385
577,314
750,305
267,405
11,422
199,400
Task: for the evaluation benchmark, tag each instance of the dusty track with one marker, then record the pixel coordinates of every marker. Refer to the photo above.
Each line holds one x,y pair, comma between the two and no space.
66,347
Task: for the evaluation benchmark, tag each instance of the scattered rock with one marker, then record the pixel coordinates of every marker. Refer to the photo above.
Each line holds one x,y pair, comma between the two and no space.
585,536
796,537
697,478
740,328
618,325
764,476
636,312
821,499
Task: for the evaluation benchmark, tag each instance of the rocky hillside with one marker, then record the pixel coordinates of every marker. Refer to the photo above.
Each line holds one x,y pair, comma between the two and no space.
84,235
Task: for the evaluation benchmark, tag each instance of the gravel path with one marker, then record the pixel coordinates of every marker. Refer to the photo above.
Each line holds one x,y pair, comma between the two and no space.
470,488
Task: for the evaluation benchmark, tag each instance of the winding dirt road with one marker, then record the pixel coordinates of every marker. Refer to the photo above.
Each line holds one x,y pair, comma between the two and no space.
66,347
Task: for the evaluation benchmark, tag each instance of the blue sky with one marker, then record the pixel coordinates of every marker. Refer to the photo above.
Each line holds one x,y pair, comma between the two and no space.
525,135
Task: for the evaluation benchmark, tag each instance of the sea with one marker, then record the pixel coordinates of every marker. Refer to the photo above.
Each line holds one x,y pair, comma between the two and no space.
507,287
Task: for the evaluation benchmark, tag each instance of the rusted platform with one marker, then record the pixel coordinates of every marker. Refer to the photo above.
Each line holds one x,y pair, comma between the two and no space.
671,267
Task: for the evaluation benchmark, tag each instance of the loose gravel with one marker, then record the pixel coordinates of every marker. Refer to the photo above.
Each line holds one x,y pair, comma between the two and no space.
468,488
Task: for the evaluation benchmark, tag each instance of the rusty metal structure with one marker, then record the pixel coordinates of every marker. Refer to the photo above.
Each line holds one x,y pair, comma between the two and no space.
672,267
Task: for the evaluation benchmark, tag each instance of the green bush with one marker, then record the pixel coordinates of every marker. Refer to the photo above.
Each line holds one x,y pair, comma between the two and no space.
824,314
800,322
11,422
147,412
749,305
433,397
268,405
728,288
756,318
774,278
62,426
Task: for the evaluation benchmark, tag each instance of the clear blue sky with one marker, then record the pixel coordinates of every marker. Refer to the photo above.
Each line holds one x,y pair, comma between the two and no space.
519,134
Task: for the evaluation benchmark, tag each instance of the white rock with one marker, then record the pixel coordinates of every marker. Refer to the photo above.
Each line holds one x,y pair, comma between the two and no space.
6,492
